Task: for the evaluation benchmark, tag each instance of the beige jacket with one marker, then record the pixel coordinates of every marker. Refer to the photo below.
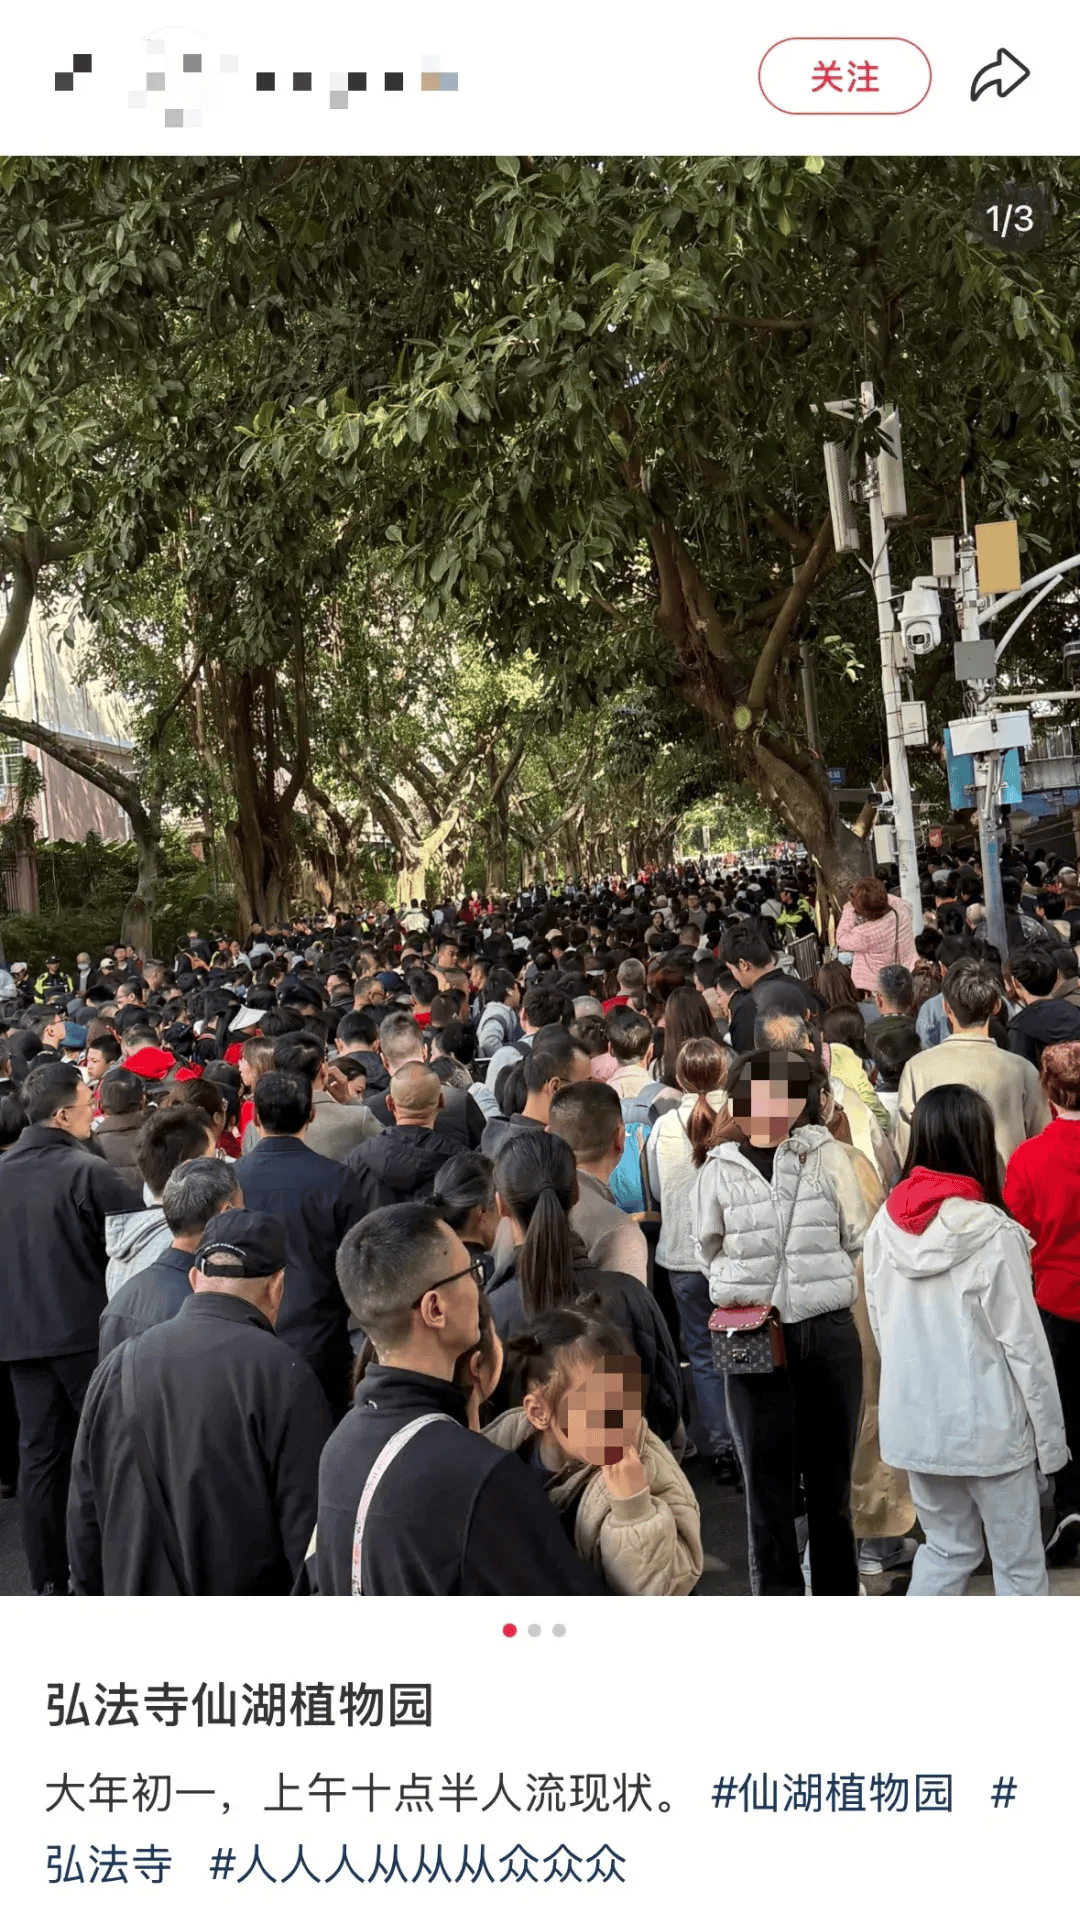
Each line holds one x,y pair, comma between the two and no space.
642,1546
339,1126
881,1504
611,1237
1009,1083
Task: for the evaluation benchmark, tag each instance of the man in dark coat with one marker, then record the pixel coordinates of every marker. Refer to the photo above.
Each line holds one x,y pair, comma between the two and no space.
316,1201
401,1040
1042,1017
54,1199
400,1164
450,1514
196,1463
195,1193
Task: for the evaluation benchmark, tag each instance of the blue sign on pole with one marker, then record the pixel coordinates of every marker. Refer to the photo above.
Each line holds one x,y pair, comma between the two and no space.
962,778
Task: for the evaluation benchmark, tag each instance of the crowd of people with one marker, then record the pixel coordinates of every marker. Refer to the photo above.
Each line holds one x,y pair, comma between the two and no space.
447,1250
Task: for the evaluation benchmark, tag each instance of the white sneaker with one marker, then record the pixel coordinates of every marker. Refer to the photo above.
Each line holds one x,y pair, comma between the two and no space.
877,1555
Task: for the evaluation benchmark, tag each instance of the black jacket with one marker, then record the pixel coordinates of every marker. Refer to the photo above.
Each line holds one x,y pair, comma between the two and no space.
1037,1025
153,1295
401,1164
633,1313
234,1423
742,1016
316,1201
453,1515
460,1120
54,1198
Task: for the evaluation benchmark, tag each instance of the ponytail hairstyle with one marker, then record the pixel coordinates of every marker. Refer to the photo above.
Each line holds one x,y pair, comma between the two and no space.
701,1067
536,1177
464,1183
553,1346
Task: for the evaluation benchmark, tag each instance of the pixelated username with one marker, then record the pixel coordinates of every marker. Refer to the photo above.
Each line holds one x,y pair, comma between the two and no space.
184,83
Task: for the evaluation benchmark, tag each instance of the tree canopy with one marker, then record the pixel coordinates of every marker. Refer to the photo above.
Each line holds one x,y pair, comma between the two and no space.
546,434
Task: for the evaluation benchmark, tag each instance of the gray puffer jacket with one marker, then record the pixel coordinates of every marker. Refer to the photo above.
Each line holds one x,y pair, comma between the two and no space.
793,1242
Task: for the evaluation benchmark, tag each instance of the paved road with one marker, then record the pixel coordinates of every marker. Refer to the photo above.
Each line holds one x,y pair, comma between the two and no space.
723,1528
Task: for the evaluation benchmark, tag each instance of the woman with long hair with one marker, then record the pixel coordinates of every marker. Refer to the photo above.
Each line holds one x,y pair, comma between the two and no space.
536,1185
835,987
686,1015
779,1219
969,1404
675,1151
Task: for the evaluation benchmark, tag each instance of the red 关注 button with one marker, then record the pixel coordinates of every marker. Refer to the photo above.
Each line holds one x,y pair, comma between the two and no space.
844,74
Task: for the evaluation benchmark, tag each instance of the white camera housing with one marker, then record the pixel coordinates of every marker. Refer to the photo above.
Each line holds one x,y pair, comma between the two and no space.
920,616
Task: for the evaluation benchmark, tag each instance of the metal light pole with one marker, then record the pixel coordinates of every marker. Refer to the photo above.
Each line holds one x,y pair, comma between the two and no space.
988,768
889,637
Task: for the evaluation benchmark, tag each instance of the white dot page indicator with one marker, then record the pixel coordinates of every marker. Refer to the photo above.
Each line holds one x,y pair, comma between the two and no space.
844,74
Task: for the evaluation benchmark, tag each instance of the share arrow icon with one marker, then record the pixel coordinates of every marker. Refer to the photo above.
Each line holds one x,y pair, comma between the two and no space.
1006,73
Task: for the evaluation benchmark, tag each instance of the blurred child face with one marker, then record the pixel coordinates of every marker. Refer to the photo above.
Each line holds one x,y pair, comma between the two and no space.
599,1417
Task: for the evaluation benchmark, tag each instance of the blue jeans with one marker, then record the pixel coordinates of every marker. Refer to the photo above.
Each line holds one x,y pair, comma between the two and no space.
711,1431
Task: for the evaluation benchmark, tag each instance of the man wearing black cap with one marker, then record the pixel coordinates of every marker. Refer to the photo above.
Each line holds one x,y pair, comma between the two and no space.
196,1464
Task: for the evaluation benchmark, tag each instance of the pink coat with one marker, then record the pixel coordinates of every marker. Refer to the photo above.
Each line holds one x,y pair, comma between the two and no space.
873,945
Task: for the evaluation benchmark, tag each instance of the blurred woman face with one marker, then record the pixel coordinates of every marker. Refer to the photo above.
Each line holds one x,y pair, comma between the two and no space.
769,1101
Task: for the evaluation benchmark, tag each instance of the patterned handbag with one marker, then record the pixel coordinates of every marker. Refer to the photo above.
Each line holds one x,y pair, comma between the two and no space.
747,1340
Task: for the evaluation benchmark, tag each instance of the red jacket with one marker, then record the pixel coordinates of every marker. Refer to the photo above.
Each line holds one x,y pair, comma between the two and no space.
1042,1190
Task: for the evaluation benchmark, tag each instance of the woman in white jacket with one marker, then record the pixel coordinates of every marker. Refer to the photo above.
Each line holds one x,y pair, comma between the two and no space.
969,1402
779,1218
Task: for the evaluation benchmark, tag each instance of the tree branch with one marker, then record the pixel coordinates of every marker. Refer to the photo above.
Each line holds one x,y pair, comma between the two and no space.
99,773
794,603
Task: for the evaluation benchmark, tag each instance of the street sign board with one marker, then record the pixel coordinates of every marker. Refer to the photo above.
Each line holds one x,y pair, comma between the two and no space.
997,547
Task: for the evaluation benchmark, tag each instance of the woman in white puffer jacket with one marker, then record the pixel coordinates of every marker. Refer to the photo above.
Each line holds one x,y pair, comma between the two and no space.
969,1402
779,1218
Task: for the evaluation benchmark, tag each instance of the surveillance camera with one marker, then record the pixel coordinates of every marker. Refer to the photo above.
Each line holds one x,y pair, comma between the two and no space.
920,617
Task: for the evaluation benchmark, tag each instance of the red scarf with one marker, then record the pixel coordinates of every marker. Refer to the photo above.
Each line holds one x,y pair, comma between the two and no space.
915,1202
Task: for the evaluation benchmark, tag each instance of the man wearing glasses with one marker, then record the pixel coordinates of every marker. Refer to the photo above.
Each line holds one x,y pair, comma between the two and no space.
446,1513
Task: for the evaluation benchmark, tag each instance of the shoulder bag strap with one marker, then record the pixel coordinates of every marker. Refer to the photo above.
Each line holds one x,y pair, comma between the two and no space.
170,1542
375,1476
896,937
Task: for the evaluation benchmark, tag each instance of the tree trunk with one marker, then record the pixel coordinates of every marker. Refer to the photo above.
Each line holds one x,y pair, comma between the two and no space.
495,871
260,839
138,923
809,810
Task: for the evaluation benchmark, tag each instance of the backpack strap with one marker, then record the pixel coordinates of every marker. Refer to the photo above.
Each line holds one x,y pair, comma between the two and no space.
378,1470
